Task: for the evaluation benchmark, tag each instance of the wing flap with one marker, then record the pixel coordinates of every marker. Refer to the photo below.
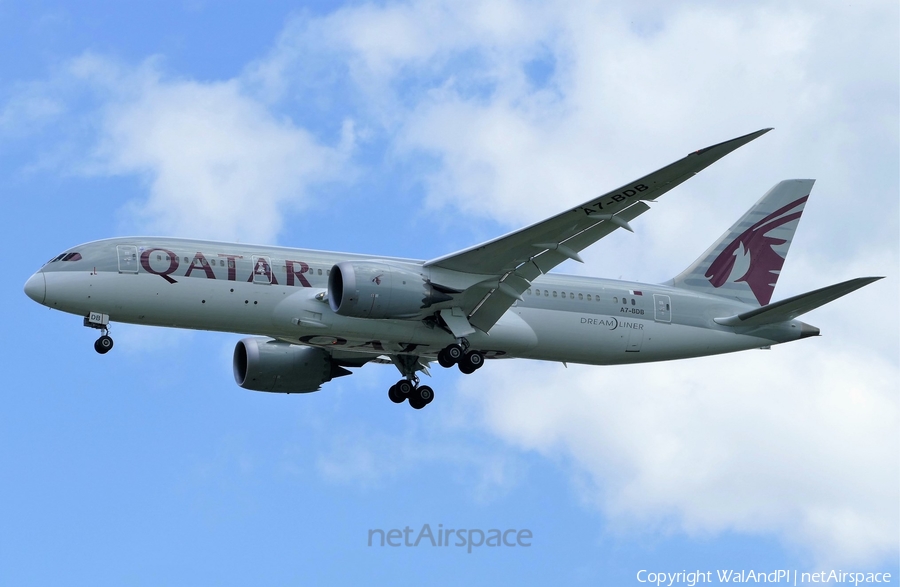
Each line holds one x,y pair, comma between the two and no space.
500,298
491,309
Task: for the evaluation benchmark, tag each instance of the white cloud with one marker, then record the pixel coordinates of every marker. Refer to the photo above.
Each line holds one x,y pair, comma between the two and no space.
450,79
801,441
217,162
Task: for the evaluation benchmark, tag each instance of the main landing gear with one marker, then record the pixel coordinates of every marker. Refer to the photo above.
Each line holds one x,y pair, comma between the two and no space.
419,396
457,354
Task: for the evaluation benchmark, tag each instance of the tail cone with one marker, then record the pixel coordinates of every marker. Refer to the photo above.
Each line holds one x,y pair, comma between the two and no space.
806,330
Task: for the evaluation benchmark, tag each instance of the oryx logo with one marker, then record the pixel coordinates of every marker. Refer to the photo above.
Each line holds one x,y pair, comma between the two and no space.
377,279
753,252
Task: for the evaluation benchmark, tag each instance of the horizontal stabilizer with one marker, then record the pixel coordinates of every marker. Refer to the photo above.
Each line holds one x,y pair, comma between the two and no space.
795,306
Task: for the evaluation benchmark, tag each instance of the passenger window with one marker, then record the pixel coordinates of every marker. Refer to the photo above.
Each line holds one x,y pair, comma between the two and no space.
571,296
616,300
589,297
580,297
632,301
546,293
159,257
554,293
320,272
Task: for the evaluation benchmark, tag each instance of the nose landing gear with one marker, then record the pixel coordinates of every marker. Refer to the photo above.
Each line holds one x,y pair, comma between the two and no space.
104,344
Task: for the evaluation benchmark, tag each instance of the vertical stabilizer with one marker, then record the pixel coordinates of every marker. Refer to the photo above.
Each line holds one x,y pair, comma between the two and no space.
746,261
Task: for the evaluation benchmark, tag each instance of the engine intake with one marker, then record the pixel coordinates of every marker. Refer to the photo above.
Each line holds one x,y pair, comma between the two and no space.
379,290
263,364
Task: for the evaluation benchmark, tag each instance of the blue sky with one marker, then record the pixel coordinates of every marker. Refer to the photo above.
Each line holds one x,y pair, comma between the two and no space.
416,129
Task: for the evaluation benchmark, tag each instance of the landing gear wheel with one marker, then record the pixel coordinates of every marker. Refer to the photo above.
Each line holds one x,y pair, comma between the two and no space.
395,395
454,352
444,360
424,394
404,388
471,362
104,344
475,359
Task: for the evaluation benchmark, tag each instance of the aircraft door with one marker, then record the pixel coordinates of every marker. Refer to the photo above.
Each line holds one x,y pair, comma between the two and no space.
128,261
262,270
662,308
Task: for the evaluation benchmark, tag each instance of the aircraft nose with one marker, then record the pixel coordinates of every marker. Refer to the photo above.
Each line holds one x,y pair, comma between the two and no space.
36,287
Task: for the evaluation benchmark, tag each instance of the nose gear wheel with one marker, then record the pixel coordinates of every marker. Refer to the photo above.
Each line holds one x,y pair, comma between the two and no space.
104,344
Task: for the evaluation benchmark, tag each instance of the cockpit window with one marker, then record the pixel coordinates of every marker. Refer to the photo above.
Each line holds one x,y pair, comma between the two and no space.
66,257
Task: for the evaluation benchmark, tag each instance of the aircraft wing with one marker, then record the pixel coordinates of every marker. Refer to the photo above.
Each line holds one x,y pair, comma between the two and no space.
511,262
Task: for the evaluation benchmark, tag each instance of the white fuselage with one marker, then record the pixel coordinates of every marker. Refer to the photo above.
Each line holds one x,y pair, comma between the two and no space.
207,285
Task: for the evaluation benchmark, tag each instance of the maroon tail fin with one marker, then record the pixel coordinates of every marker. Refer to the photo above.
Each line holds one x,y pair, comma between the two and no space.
746,261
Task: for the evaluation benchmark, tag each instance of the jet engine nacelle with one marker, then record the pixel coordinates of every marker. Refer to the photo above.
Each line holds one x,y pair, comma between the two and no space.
263,364
378,290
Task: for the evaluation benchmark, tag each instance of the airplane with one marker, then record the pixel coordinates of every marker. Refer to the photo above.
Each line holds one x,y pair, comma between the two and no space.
313,315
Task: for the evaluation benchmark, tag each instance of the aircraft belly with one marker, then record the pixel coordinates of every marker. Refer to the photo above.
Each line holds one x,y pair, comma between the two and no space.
665,342
610,340
575,337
